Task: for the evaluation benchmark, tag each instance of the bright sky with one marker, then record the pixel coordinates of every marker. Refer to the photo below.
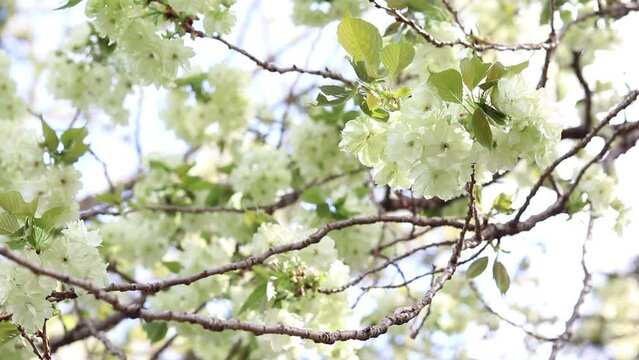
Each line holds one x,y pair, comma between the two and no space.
554,246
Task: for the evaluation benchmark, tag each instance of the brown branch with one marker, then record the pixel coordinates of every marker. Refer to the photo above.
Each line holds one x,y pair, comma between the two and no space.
81,331
108,345
383,266
46,347
34,348
625,102
251,261
483,46
431,272
488,308
284,201
552,39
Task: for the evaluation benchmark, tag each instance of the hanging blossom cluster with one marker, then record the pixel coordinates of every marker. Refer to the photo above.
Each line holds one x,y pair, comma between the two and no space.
146,35
261,173
209,106
431,143
290,287
81,73
319,12
74,252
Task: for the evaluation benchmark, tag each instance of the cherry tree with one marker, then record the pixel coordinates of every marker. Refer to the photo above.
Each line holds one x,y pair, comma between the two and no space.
381,204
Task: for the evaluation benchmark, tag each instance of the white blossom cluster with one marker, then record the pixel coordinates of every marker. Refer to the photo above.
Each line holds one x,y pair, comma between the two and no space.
261,173
426,145
138,30
23,293
319,261
220,113
315,150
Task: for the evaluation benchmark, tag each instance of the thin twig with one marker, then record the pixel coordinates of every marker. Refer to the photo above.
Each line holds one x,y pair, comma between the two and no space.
565,337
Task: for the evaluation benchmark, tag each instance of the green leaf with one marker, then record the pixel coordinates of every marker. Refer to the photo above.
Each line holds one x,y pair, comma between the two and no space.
322,100
377,113
360,39
13,202
503,204
448,84
401,92
314,195
51,217
500,275
73,135
488,84
8,332
74,146
9,224
30,209
69,4
218,195
51,140
473,70
156,330
173,266
255,300
37,237
544,17
17,244
397,56
481,129
334,90
477,267
360,70
392,28
433,10
495,115
496,72
158,165
517,68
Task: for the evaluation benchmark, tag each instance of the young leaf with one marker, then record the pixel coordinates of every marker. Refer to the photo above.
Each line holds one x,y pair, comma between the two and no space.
503,204
500,275
73,135
397,56
496,71
392,28
477,267
51,140
51,217
377,113
334,90
495,115
173,266
13,202
517,68
360,70
314,195
448,84
156,330
8,331
255,300
322,100
360,39
488,84
9,224
473,70
74,146
481,129
69,4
